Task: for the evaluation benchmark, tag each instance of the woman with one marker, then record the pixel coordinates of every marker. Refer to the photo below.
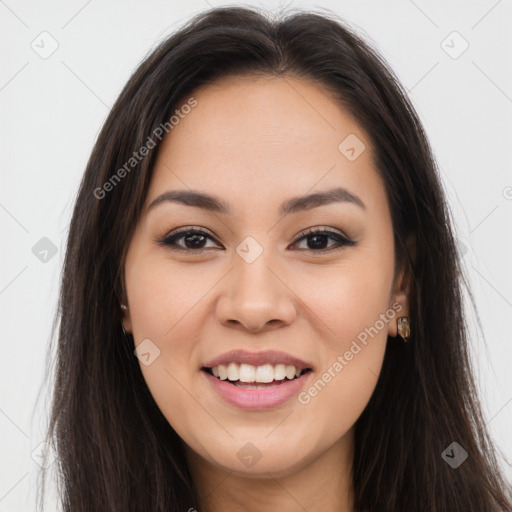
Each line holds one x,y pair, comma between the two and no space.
261,305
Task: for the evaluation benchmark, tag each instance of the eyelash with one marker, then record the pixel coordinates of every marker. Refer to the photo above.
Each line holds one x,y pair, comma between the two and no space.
170,239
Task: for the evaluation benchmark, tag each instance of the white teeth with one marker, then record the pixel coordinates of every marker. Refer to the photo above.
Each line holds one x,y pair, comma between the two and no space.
247,373
223,371
279,371
233,371
290,372
250,373
264,373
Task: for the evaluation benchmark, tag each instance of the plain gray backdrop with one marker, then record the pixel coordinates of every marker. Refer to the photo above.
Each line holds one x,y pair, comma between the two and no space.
64,64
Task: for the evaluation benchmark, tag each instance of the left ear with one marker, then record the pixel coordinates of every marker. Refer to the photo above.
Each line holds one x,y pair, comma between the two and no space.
403,286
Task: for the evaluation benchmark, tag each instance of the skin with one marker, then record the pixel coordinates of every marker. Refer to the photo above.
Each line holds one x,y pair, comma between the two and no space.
256,142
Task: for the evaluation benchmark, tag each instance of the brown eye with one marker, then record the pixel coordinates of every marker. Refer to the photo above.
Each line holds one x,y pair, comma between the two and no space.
193,240
317,240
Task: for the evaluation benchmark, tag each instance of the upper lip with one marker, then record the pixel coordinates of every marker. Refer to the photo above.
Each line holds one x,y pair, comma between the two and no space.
272,357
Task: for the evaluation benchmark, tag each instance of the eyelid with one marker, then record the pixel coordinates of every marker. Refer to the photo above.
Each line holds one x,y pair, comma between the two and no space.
303,232
321,229
188,229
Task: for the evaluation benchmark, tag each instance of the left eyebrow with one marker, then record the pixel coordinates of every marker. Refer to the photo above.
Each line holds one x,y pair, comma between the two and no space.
293,205
335,195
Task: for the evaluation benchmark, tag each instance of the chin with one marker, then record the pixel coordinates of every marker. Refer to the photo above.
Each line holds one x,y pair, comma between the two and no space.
252,462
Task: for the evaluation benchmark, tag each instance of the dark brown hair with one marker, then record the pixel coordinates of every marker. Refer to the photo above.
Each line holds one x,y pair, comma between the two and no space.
116,451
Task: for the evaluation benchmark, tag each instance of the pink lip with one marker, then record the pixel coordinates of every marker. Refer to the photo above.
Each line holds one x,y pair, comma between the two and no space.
258,359
255,399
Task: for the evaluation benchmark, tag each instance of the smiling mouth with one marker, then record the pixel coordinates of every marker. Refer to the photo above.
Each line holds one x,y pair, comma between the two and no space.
257,385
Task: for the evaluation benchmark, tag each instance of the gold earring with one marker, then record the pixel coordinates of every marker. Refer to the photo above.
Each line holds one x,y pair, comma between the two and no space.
404,328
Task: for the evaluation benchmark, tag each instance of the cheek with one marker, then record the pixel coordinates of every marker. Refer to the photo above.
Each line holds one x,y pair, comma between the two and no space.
162,296
352,302
347,301
339,395
352,353
165,304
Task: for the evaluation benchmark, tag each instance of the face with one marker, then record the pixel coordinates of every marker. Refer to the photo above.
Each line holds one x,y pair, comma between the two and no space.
254,278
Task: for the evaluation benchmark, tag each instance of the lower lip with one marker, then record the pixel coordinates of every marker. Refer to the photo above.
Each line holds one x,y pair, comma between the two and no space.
255,399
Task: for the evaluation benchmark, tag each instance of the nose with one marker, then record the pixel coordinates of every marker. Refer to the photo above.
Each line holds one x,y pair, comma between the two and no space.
256,297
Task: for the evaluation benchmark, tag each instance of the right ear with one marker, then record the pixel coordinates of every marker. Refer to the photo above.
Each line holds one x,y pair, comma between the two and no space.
125,309
127,320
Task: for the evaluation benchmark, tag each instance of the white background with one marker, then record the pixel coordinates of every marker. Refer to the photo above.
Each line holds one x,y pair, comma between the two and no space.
51,111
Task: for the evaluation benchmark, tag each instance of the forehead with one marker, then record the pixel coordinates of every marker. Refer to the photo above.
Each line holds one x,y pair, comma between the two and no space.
261,139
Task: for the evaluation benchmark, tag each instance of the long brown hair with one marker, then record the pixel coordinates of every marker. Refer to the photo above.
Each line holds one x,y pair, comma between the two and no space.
116,451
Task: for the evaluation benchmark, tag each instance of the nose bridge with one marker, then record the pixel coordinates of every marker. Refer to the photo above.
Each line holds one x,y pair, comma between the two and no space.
255,295
253,279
